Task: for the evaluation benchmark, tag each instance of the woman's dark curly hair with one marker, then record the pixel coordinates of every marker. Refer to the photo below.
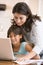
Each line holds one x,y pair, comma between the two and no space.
24,9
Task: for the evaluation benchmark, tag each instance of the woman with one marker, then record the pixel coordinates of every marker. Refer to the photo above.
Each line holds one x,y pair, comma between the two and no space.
28,23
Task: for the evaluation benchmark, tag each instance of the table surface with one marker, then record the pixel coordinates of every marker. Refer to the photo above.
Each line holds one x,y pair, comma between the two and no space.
8,63
11,62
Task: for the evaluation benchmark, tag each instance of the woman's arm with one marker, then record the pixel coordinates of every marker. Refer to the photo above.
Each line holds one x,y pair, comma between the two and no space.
38,42
39,37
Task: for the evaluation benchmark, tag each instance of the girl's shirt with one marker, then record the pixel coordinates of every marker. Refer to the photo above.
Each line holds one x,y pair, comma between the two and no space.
22,49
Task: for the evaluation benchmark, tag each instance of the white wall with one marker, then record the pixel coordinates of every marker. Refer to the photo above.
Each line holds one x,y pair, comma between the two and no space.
40,9
5,16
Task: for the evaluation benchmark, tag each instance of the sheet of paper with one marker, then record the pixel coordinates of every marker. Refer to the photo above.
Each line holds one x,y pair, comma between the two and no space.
29,61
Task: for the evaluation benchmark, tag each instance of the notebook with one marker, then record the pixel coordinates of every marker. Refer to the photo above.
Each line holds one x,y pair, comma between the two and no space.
6,51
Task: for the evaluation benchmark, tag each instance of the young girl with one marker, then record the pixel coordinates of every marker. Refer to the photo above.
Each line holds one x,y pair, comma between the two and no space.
30,26
18,43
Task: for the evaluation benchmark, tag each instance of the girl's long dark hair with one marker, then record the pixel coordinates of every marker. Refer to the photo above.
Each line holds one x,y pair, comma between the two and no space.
16,30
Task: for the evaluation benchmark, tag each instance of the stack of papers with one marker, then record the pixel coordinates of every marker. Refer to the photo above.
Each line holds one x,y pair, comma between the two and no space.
29,61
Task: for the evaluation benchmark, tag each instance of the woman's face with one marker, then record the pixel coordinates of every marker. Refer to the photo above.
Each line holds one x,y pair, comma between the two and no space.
19,19
15,39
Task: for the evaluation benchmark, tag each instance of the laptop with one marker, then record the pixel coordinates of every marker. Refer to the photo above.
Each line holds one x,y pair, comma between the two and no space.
6,51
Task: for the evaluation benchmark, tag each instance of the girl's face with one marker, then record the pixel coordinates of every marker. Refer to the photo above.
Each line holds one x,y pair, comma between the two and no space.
19,19
15,39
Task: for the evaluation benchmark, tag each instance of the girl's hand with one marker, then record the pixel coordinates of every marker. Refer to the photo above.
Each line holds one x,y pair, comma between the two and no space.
23,58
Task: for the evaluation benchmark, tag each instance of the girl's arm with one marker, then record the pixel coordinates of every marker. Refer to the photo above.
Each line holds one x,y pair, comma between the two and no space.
28,47
32,54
